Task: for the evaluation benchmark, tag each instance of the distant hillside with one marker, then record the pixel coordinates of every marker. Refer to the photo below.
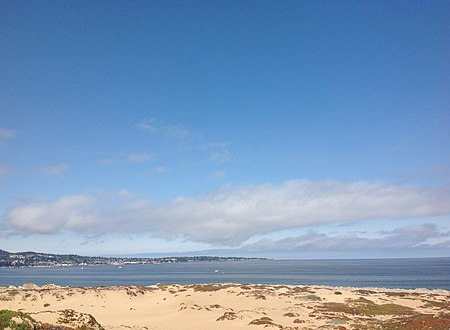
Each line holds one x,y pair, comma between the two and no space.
36,259
4,253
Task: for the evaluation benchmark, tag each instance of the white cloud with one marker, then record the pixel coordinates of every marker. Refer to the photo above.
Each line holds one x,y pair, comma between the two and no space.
54,170
140,157
231,216
172,131
68,213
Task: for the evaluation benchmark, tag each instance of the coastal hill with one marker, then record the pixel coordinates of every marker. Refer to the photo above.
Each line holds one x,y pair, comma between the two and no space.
36,259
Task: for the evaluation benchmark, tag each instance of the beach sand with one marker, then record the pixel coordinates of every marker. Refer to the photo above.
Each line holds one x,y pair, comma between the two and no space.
226,306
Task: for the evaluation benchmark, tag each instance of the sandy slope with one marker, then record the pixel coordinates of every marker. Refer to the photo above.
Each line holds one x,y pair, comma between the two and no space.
236,306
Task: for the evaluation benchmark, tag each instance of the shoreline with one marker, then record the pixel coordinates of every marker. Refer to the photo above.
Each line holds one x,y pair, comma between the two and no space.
229,306
157,285
404,274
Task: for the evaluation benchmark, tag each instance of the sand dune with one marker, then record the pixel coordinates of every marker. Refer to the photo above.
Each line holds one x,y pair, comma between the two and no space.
228,306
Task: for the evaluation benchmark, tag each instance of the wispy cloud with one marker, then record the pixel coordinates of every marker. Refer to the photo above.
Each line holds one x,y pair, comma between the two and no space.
141,157
172,131
188,144
54,170
215,145
125,194
231,216
5,136
161,169
219,174
106,161
4,170
219,152
220,157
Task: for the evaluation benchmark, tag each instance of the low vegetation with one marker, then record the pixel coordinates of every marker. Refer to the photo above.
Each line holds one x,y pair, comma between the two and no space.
420,322
265,321
310,297
209,287
15,320
228,316
77,320
366,307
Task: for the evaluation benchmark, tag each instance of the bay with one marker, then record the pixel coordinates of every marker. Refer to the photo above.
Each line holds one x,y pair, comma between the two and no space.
431,273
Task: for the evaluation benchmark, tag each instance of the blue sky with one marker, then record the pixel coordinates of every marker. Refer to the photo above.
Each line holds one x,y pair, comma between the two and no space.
289,129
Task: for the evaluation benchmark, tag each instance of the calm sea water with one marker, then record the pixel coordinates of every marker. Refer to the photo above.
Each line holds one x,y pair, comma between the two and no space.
388,273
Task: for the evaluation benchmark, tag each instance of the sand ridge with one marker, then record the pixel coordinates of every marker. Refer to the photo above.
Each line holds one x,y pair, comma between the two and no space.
230,306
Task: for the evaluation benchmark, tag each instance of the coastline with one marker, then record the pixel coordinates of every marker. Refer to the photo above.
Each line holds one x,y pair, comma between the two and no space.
401,273
228,306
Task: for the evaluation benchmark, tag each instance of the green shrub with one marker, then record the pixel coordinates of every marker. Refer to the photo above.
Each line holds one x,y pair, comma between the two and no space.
6,320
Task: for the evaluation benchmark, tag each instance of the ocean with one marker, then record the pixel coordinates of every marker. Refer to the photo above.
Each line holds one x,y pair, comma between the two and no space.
432,273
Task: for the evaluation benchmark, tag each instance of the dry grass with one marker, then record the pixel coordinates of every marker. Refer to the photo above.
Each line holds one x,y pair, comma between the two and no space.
362,306
302,289
420,322
265,321
290,315
368,309
209,287
310,297
228,316
215,306
364,292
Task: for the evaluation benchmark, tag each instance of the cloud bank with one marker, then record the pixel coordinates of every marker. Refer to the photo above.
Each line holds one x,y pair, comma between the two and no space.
231,216
409,237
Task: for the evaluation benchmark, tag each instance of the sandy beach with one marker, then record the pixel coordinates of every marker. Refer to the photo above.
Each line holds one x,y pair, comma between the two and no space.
225,306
